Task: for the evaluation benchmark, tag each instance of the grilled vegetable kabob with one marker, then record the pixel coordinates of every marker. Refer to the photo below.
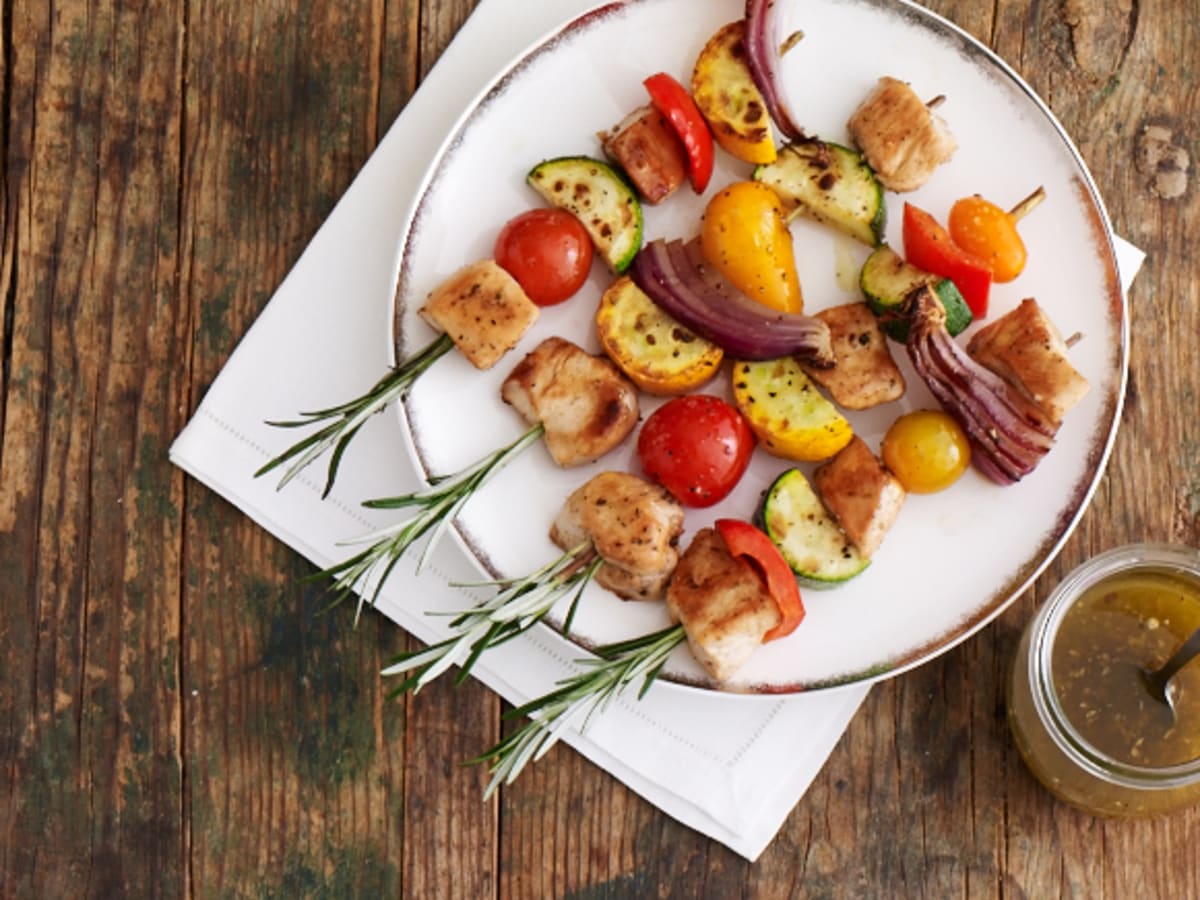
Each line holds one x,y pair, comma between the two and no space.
730,592
580,405
617,529
482,292
541,257
1009,389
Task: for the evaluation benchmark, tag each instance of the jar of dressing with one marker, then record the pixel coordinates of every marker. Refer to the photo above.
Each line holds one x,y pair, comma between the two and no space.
1080,714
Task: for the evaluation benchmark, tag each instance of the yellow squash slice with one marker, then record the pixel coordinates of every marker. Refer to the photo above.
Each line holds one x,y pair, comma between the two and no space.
727,96
786,411
658,354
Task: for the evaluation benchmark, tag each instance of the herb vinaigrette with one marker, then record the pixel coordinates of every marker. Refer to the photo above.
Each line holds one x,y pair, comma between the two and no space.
1081,715
1128,622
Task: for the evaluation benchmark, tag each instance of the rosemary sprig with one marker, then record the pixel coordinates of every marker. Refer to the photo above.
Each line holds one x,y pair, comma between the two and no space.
345,419
520,604
436,506
606,677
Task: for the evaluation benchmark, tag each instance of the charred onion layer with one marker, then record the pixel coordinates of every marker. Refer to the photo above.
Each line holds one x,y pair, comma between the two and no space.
1009,434
676,276
763,51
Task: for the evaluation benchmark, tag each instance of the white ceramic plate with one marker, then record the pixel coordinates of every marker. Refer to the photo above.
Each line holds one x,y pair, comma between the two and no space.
953,560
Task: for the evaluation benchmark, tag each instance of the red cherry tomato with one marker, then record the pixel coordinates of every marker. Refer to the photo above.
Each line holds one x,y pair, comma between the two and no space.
547,251
697,447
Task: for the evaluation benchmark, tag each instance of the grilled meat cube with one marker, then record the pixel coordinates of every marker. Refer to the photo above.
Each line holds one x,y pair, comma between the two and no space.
861,494
1025,349
721,602
902,140
584,402
649,151
484,311
634,526
864,373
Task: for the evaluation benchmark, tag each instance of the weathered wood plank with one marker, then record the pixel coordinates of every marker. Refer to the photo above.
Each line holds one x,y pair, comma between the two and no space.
415,836
89,512
296,763
451,836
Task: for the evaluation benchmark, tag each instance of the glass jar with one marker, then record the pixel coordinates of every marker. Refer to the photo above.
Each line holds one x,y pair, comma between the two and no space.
1079,713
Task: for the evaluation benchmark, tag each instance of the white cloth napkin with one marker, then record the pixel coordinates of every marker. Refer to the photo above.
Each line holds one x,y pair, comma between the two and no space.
730,767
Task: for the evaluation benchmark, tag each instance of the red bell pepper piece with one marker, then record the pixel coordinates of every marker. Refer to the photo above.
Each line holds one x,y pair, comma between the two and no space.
673,100
743,539
928,246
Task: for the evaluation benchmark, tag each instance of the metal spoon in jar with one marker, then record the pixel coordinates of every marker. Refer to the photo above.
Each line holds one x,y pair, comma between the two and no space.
1158,681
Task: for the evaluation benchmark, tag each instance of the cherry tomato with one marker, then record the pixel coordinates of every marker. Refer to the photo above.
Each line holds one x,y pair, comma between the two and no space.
985,230
547,251
743,539
926,450
927,245
697,447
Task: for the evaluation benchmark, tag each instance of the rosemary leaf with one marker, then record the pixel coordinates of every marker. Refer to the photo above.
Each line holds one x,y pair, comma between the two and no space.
498,619
436,507
603,679
347,418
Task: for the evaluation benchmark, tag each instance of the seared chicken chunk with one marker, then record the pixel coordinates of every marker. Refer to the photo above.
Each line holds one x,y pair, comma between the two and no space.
584,402
633,525
721,602
861,494
484,311
902,140
1025,349
647,148
864,373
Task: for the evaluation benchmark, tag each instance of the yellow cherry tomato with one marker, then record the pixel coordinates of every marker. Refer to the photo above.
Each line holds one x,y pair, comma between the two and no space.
988,232
745,235
926,450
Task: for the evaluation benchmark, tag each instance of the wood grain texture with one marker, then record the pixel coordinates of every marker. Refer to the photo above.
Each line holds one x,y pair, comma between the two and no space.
181,716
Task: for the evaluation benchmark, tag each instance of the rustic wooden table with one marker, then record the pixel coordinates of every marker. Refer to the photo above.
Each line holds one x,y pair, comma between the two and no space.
175,716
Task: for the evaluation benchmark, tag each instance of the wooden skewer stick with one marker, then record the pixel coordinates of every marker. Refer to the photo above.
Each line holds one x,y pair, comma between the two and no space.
1026,206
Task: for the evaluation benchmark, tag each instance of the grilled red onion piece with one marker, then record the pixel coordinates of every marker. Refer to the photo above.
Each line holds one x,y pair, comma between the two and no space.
1009,434
677,278
762,55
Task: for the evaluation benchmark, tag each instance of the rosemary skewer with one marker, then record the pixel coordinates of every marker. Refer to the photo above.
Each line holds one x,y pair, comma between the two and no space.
609,675
523,602
436,506
345,419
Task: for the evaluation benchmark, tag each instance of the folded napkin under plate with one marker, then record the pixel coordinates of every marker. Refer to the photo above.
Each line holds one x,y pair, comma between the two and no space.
730,767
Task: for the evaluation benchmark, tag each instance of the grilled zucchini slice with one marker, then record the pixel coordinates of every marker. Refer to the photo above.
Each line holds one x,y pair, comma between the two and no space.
887,281
726,95
829,183
600,198
815,548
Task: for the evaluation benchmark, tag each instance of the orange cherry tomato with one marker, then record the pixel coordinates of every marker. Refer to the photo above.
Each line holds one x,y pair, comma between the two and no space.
989,233
744,233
